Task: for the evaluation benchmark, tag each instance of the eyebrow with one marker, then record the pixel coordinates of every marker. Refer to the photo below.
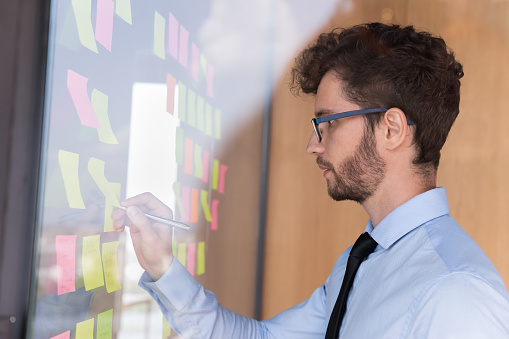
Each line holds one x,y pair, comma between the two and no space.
323,112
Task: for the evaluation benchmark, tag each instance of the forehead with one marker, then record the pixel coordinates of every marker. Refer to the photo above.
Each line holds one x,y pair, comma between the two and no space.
330,97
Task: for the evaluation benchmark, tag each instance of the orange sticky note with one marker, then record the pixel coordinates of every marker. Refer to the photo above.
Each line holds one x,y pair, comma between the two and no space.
65,248
188,158
191,257
213,224
194,205
171,82
222,171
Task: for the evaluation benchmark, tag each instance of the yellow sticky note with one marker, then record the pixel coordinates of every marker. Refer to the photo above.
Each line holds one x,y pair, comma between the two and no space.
100,104
200,268
215,174
92,263
200,113
123,10
204,197
83,13
96,170
159,25
166,329
108,207
182,253
85,329
198,161
105,325
110,266
217,125
69,163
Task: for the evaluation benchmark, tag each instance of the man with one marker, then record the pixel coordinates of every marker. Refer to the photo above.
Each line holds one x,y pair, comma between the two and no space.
386,98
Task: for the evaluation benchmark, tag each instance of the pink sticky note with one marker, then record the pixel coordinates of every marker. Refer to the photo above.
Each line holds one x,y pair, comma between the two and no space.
188,156
195,61
65,335
210,80
191,257
183,45
104,23
171,82
222,171
66,263
205,163
77,85
213,224
186,201
173,31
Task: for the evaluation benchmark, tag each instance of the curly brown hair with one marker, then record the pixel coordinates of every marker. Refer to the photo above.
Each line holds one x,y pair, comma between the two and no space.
390,66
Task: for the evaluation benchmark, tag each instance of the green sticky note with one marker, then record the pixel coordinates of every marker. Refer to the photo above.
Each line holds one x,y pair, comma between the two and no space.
83,14
208,119
198,161
178,198
215,174
85,329
182,101
200,113
100,104
69,163
110,265
92,263
105,325
200,267
123,10
182,253
191,107
217,125
179,145
159,25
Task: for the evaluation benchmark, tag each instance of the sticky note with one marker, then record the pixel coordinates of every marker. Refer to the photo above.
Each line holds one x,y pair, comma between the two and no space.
171,83
213,224
96,170
110,266
205,164
69,163
91,262
208,119
195,61
100,105
200,262
123,10
173,31
210,80
82,12
222,171
166,329
204,198
179,145
198,166
105,325
188,157
183,46
104,23
85,329
194,205
159,23
191,107
215,174
191,257
65,249
217,125
114,187
178,198
77,86
65,335
182,253
186,201
200,113
182,101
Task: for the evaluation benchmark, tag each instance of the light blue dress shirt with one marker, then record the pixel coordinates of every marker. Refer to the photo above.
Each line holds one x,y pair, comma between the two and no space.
426,279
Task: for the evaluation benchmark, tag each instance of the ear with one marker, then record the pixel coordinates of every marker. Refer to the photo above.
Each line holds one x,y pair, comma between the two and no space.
395,128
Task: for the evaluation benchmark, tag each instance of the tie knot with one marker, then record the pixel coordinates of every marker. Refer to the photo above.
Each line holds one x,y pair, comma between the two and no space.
364,246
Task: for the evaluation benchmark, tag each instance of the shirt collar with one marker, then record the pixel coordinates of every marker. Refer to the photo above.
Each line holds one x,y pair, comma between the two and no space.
408,216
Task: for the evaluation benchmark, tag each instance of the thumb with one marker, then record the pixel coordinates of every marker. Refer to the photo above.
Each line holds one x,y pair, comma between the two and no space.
140,221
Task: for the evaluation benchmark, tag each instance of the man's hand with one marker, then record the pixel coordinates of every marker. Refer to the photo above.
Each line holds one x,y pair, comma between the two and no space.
151,240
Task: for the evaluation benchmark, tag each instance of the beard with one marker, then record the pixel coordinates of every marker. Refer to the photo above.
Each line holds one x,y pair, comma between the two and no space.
359,175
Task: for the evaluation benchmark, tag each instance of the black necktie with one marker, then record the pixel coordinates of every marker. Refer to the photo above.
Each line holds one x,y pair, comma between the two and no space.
364,246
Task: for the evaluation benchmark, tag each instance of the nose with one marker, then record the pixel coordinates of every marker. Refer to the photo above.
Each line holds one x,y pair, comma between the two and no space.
315,147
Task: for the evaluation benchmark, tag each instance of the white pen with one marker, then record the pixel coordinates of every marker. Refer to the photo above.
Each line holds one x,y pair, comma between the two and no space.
165,221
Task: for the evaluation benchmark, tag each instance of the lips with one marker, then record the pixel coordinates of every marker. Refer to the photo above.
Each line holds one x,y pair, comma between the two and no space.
322,166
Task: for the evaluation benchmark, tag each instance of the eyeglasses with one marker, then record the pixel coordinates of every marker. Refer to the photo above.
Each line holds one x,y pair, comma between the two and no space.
317,121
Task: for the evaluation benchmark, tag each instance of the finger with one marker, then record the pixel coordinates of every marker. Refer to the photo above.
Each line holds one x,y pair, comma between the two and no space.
141,222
